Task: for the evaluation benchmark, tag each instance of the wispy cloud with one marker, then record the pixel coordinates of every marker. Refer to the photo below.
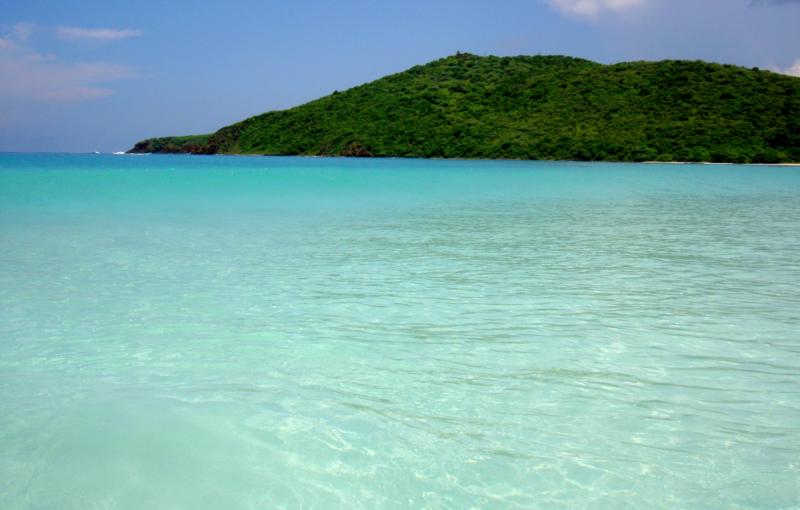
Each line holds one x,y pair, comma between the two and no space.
23,30
591,8
18,35
7,44
774,2
30,74
41,77
96,34
793,70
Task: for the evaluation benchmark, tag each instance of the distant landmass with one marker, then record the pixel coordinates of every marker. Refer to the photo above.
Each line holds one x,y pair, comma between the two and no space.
533,107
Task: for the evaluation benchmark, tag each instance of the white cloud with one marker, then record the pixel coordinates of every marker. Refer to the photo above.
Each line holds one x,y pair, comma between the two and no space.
23,30
7,44
794,70
591,8
18,34
36,76
97,34
29,74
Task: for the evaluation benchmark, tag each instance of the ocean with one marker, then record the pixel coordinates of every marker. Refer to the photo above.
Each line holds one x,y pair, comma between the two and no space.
263,332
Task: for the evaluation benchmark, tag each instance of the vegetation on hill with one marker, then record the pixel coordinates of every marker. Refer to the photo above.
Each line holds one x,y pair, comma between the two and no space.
534,107
192,144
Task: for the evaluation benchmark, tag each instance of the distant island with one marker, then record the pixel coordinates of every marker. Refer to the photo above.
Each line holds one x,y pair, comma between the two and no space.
533,107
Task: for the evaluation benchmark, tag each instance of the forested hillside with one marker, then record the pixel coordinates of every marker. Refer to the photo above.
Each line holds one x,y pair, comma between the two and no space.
533,107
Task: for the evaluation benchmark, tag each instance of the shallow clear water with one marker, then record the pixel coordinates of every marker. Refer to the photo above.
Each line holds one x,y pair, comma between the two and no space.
251,332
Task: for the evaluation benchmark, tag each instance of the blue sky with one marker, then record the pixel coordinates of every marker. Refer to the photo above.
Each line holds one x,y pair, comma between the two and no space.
100,75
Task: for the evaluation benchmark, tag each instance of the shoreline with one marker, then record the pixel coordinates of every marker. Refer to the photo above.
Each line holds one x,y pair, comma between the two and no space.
328,156
713,163
119,153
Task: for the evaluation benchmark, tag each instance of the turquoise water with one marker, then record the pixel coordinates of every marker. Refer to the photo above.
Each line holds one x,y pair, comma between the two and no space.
250,332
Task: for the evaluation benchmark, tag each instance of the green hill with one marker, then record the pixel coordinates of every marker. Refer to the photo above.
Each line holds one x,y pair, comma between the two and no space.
533,107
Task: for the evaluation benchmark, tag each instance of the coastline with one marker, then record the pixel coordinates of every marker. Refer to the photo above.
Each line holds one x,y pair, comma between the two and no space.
710,163
715,164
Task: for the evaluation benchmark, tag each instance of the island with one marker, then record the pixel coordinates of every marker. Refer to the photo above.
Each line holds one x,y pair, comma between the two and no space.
533,107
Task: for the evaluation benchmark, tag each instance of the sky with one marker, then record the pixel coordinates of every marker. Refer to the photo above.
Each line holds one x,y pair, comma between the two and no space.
99,75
